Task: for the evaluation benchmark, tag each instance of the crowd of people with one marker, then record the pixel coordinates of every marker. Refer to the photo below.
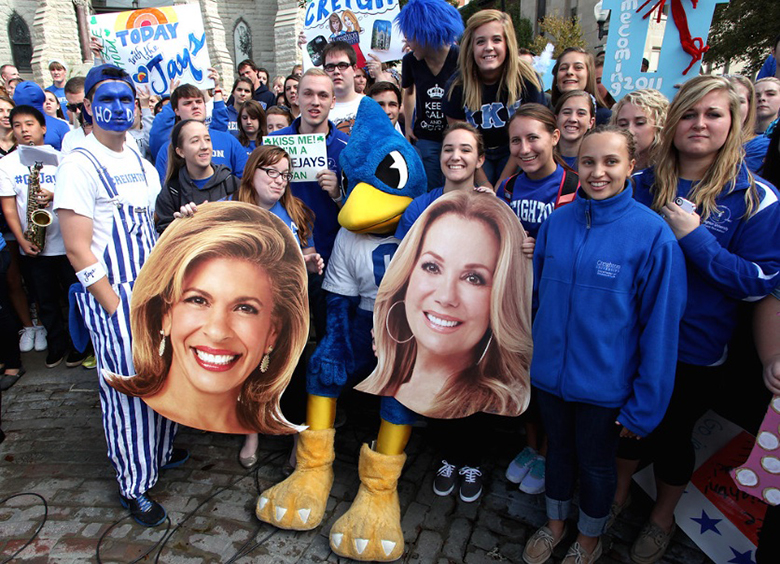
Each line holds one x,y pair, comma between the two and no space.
653,228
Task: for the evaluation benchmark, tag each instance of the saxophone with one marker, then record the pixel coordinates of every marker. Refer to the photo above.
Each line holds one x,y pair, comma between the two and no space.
38,219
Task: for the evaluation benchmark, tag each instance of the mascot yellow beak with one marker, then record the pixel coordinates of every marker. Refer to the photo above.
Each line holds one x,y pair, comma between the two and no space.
369,210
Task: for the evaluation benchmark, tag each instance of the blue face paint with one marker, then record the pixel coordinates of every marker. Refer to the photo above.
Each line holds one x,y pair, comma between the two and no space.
113,106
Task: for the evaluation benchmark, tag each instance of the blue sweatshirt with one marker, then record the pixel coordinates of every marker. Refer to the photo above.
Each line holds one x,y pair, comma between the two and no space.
533,200
28,93
226,151
609,280
415,210
232,121
728,258
164,121
326,211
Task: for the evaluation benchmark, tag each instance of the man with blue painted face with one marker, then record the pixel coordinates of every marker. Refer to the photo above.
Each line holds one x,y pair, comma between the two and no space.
104,197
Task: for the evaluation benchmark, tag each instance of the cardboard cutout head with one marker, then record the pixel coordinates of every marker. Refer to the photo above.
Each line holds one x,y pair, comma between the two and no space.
452,319
219,318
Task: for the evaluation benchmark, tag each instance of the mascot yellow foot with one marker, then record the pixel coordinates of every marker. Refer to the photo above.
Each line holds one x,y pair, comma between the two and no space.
371,529
299,502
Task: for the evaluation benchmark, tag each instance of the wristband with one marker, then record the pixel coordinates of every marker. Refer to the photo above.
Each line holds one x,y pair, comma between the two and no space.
217,91
91,274
339,199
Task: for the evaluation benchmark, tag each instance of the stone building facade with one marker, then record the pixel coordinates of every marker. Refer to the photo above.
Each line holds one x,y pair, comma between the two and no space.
41,30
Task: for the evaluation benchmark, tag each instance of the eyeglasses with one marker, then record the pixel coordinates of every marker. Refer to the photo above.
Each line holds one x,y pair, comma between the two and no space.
342,66
74,107
273,173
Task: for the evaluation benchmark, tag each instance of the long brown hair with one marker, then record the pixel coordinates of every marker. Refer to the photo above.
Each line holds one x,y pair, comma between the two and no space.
590,83
255,110
543,115
265,156
176,162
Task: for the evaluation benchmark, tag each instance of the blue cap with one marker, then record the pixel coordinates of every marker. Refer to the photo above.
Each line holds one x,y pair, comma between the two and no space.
106,72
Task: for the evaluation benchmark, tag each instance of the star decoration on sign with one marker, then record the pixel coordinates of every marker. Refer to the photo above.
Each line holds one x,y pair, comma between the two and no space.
707,523
741,557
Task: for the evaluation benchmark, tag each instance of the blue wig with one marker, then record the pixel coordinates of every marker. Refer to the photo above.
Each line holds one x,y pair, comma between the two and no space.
431,23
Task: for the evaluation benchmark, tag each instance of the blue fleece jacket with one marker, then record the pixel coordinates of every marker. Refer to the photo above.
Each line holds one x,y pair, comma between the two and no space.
729,258
326,212
28,93
609,281
164,121
226,151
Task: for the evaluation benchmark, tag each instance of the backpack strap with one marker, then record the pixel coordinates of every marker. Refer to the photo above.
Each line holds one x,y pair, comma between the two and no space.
510,186
568,188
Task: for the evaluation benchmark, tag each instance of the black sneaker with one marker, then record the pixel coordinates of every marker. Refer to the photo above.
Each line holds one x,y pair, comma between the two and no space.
75,358
471,486
446,478
178,457
54,359
144,510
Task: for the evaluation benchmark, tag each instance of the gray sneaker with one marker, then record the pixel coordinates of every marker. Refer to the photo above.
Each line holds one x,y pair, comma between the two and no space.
651,544
540,546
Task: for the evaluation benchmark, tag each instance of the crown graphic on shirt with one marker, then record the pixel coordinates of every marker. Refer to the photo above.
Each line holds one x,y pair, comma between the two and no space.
436,92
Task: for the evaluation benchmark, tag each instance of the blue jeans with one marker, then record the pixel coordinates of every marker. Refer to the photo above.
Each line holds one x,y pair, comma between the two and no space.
584,433
495,161
429,153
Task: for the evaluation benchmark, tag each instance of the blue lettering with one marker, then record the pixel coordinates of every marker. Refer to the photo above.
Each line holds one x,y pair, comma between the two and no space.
322,11
122,35
490,117
363,4
155,64
146,33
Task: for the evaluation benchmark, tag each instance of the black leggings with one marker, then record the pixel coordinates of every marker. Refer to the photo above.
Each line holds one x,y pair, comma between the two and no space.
669,447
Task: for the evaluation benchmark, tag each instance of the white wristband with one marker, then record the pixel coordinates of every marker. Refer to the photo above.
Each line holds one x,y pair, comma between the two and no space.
91,274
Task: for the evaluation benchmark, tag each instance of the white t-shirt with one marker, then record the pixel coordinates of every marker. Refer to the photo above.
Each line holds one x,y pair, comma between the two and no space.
14,179
75,138
357,264
343,114
80,189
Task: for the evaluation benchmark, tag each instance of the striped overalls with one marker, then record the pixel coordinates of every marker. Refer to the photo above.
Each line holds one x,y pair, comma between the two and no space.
139,440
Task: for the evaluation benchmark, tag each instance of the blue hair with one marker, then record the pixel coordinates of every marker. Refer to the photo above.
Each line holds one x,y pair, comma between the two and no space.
431,23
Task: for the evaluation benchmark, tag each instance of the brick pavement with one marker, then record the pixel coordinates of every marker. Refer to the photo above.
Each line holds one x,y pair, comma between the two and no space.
55,448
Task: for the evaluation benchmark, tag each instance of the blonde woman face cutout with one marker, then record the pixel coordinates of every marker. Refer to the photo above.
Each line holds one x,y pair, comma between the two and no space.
448,297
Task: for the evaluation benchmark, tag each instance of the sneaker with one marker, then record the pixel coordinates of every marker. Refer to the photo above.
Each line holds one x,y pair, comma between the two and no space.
578,555
178,457
8,380
27,339
40,338
540,546
520,466
90,363
75,358
446,478
144,510
651,543
615,510
533,483
54,359
471,486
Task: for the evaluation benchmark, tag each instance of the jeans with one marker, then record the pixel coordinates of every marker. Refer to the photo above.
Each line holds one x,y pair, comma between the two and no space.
586,434
429,153
495,161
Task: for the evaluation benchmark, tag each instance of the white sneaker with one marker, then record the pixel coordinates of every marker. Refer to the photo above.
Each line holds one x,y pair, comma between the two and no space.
27,340
40,338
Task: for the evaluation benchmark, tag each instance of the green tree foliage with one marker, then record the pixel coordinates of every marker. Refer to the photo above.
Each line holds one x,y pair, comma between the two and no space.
743,30
561,32
524,28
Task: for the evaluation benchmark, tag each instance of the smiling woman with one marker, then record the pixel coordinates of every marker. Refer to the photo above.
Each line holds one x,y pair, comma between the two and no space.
215,335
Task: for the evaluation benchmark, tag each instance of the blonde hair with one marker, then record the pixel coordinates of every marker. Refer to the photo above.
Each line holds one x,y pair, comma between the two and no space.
654,105
515,72
749,127
499,382
729,161
223,230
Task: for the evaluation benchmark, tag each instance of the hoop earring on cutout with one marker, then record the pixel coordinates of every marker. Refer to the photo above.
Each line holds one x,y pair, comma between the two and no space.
161,348
490,340
266,361
387,325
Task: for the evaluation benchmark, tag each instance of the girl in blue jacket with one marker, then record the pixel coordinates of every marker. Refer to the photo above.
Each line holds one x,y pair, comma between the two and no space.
731,249
609,284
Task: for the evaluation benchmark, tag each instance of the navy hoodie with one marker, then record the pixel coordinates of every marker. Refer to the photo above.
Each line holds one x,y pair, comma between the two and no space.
729,258
28,93
163,124
609,282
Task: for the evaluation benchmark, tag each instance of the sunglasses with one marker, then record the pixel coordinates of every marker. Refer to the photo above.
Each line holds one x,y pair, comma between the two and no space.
342,66
74,107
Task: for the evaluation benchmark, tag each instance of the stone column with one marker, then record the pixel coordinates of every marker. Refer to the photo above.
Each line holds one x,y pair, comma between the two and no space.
287,25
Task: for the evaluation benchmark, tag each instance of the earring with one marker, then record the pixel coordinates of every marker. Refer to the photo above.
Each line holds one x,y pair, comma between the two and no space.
266,360
387,325
490,340
161,349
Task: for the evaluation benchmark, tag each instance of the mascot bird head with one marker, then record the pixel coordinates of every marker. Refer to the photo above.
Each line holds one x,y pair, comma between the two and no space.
382,173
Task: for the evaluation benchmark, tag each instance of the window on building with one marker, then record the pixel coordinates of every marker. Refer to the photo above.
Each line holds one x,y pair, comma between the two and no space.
21,44
242,40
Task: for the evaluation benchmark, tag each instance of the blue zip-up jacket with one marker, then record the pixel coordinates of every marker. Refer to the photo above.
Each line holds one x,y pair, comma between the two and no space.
609,281
164,121
326,211
728,259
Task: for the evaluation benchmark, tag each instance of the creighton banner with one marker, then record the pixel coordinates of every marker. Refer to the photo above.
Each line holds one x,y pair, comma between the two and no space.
156,45
367,25
684,44
308,153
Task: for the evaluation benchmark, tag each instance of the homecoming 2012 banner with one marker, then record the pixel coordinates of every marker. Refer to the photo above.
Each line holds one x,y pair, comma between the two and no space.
156,45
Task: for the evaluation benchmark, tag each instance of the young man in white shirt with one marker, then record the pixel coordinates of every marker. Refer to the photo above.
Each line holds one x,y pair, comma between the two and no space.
105,199
340,64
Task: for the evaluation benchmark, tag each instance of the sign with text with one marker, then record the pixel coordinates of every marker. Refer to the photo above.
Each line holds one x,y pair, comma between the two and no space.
367,25
684,43
309,153
156,45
